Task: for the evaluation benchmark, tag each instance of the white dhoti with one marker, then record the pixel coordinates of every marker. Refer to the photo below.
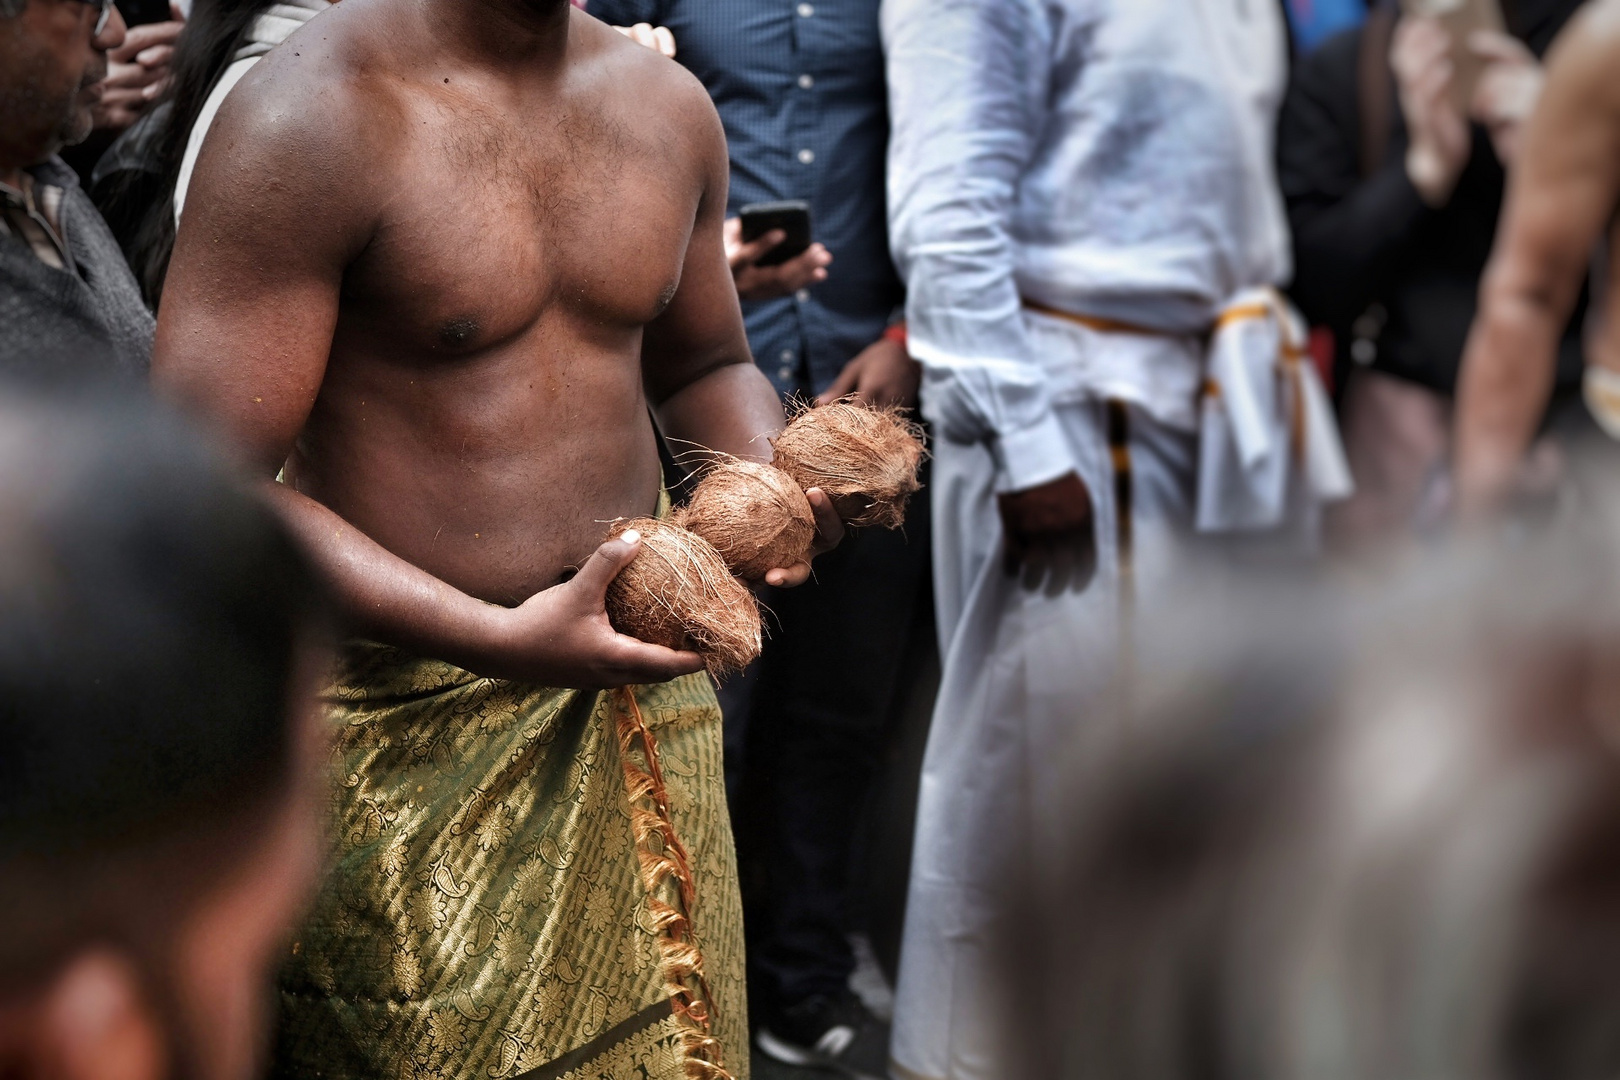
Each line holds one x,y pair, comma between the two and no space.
1108,164
1025,672
1019,667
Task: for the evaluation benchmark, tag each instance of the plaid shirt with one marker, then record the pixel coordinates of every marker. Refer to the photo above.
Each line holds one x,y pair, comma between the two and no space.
33,215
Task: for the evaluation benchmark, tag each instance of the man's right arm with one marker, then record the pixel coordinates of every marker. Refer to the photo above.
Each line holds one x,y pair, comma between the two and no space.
969,83
280,205
1562,194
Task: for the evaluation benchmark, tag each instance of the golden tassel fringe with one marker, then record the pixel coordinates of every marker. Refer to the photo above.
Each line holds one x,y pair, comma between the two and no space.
663,861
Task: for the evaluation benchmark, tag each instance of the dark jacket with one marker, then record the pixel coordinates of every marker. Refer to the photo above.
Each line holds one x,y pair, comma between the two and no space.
58,326
1371,259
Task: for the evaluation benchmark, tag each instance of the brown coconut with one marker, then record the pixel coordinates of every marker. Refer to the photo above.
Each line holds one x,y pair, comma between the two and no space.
865,459
756,517
678,593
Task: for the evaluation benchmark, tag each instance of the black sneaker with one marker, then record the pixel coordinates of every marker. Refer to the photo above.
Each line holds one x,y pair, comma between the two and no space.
828,1033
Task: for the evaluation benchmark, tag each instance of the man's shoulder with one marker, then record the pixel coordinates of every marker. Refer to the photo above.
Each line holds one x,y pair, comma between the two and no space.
1580,86
1601,20
635,74
1589,47
347,56
320,93
313,124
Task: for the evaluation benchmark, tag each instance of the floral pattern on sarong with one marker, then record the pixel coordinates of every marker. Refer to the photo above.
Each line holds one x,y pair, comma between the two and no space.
484,916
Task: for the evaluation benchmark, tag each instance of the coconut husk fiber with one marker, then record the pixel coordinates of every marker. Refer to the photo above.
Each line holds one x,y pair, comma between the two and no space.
679,593
756,517
865,459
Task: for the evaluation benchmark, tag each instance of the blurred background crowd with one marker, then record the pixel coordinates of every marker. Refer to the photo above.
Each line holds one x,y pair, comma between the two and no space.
1209,717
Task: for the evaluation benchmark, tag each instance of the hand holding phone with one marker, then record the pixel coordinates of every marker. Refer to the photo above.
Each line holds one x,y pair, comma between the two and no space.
1438,140
789,216
1461,19
758,280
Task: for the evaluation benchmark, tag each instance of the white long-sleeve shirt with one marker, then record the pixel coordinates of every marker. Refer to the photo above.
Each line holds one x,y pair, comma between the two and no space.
1109,158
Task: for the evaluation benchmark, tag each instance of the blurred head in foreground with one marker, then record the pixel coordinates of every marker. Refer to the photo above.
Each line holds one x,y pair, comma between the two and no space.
160,638
1347,838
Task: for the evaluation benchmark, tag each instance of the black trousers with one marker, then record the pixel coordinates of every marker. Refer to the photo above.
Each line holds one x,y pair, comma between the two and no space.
808,734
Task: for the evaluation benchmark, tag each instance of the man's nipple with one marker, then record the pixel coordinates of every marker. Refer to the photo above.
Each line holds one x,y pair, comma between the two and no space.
458,332
666,296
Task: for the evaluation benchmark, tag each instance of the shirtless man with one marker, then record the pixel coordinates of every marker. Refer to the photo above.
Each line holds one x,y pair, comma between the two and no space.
1563,195
439,259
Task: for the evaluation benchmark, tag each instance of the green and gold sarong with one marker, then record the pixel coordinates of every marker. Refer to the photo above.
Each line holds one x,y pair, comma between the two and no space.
529,883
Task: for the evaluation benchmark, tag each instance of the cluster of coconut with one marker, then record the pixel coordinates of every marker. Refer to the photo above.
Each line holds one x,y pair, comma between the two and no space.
745,518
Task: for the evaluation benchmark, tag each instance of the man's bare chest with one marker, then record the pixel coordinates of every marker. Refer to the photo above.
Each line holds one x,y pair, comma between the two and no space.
492,231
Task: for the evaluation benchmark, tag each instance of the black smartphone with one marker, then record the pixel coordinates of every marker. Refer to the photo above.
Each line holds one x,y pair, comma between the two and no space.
792,216
137,12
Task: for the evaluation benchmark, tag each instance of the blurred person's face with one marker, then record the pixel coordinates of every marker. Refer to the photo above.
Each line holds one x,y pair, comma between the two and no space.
51,60
206,1015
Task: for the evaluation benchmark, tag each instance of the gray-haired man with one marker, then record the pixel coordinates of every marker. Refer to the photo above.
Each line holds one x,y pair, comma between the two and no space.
64,287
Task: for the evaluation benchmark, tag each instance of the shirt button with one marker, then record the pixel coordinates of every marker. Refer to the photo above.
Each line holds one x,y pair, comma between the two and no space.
787,356
784,373
806,10
806,81
802,295
806,156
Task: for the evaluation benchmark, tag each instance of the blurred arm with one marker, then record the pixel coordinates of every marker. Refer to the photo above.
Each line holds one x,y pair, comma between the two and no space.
1559,199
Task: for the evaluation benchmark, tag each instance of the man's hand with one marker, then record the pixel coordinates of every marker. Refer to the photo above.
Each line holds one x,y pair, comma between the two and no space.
137,72
1440,142
562,637
829,534
1051,536
656,38
881,374
767,282
1507,91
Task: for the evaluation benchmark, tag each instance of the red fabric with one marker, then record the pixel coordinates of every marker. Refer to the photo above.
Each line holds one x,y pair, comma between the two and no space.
1321,347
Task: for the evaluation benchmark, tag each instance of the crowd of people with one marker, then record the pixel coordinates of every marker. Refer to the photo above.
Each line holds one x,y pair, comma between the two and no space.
1199,710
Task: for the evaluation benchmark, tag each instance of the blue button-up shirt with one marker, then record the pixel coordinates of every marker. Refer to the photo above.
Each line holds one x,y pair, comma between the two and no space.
799,86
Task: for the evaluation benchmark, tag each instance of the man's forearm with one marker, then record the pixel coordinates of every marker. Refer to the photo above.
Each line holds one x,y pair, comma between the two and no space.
733,409
1506,381
385,598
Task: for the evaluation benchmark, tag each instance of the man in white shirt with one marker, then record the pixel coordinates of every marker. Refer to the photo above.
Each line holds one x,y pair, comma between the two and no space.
1081,195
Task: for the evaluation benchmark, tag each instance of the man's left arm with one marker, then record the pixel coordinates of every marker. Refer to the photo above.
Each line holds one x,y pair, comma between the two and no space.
696,365
1560,196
